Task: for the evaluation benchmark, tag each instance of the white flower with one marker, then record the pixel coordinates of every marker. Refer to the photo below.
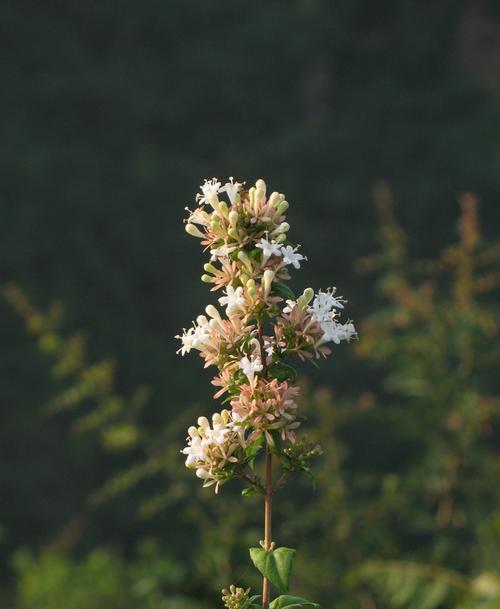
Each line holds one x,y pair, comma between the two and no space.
234,300
290,305
199,216
209,188
222,252
251,366
232,189
269,248
211,447
197,337
336,332
324,302
291,256
195,451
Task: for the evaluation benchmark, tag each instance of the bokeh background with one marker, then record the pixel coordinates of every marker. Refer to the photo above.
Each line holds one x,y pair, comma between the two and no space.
381,123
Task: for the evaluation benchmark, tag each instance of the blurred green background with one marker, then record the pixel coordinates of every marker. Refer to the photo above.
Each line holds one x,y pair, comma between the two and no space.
375,119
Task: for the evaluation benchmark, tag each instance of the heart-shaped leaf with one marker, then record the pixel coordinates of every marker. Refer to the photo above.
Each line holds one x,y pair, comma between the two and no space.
292,602
275,565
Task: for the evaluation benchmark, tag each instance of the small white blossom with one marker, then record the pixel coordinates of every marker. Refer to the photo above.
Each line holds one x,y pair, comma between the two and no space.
269,248
197,337
222,252
232,188
324,302
251,366
291,256
234,300
209,188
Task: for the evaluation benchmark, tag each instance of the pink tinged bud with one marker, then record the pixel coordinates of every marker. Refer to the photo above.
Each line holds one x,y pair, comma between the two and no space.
194,231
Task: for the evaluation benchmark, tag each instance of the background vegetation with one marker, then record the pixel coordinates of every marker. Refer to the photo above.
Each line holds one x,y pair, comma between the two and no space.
365,114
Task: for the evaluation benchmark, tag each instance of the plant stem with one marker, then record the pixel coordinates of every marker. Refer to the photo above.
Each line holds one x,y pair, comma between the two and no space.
267,523
266,586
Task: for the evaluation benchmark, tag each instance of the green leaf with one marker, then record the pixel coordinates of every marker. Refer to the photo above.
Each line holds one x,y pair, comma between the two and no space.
249,491
275,565
282,372
292,602
283,290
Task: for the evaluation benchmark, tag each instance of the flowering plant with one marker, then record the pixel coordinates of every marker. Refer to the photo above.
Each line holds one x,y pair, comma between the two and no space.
264,325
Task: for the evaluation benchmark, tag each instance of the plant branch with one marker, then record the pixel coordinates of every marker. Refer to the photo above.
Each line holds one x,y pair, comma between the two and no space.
266,587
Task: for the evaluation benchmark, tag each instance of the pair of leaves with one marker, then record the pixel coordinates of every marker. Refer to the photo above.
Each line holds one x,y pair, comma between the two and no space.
275,565
292,602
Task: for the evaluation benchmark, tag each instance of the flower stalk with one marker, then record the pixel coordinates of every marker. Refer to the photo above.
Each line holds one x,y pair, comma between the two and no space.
251,255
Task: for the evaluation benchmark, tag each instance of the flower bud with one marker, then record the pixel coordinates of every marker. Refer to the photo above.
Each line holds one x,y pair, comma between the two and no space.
233,218
305,299
267,280
201,320
215,203
210,268
251,194
274,199
282,228
194,231
251,288
281,238
233,233
202,473
193,432
223,208
225,416
243,257
281,209
212,312
216,419
207,279
203,422
261,185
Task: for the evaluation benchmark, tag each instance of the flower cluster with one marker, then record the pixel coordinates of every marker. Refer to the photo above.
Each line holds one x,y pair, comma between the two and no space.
213,450
251,256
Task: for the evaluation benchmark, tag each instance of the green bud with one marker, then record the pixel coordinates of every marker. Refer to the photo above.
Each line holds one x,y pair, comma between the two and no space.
210,268
305,299
207,279
194,231
233,218
233,233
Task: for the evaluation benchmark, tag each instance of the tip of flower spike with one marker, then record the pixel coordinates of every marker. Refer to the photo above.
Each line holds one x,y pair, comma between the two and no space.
261,185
